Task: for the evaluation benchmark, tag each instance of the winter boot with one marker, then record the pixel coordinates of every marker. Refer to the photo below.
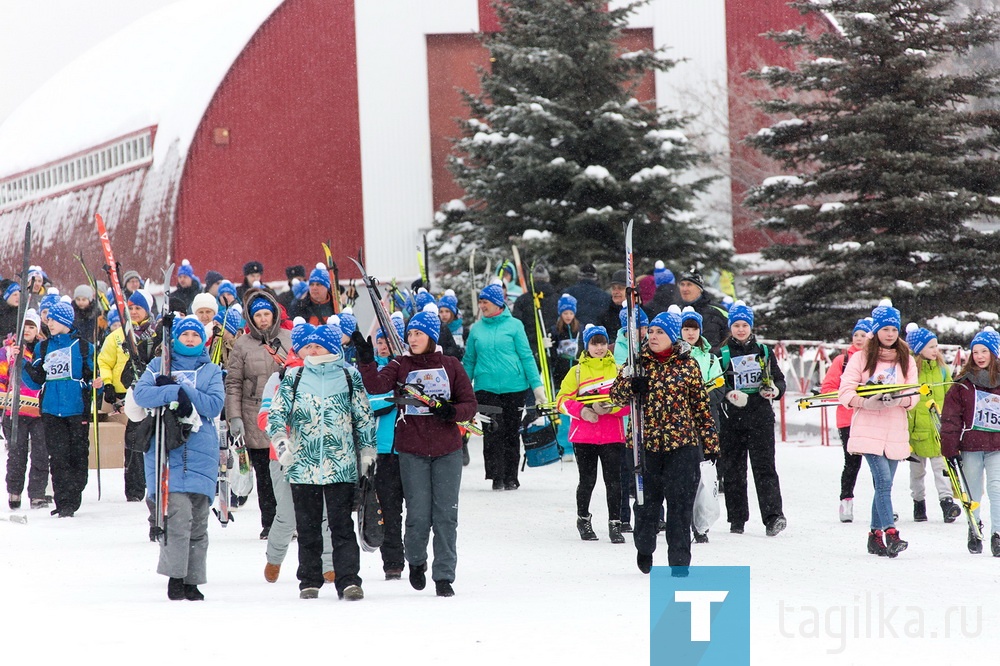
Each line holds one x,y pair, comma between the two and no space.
192,593
919,511
626,527
271,572
736,528
644,562
418,578
14,501
615,531
701,538
893,544
975,544
40,503
875,544
995,544
175,589
309,593
395,573
847,510
775,525
950,510
443,588
497,484
586,530
352,593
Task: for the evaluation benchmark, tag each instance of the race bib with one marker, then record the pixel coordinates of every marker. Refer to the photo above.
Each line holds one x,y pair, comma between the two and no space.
434,382
747,373
568,348
884,376
987,415
185,378
58,364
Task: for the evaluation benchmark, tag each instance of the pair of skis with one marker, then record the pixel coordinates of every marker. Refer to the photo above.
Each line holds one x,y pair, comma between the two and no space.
14,379
105,307
956,476
632,328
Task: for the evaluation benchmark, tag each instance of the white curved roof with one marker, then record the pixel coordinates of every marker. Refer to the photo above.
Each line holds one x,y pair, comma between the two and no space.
162,70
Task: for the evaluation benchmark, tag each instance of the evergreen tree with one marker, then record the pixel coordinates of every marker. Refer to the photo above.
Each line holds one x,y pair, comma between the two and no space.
557,144
893,169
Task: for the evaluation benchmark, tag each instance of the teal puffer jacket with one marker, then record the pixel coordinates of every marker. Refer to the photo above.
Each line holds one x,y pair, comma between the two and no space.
497,356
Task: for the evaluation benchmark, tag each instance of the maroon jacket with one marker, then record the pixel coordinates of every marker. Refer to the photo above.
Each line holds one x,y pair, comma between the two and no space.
424,435
957,418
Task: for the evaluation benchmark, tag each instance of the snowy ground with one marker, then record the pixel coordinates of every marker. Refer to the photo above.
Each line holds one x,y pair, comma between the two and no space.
528,589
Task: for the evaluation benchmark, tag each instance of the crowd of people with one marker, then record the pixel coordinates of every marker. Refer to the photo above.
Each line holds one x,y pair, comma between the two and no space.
314,405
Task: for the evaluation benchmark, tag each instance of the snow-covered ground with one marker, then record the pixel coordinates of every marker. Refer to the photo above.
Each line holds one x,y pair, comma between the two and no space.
528,590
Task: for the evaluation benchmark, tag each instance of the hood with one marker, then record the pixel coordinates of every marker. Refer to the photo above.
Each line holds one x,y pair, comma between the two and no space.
275,326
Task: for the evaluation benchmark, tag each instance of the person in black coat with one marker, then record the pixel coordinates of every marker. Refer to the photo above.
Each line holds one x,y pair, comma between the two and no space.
253,271
187,288
286,298
715,326
524,307
8,307
86,313
592,302
666,291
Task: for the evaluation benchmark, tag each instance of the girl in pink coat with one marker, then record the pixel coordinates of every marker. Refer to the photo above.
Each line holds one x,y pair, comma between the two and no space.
879,429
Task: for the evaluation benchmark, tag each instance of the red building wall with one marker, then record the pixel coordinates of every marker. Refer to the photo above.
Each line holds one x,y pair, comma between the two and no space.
275,166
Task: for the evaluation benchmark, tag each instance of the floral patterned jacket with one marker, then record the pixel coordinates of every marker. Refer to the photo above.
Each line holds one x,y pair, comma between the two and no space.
328,424
676,411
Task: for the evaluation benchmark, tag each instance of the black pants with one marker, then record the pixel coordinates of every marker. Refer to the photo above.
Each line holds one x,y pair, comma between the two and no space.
389,488
610,456
339,499
627,480
135,472
671,476
852,465
30,437
261,461
758,444
502,445
68,441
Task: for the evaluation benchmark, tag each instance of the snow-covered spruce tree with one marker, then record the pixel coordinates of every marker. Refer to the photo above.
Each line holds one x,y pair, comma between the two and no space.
892,174
558,146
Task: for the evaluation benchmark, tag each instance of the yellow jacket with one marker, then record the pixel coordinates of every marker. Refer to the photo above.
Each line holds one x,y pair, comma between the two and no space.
112,360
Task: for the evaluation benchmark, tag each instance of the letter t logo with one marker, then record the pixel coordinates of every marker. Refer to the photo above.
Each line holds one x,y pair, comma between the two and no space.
701,611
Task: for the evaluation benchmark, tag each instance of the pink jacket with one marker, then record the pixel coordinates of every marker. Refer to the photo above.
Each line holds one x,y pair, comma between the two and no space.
595,377
831,382
880,432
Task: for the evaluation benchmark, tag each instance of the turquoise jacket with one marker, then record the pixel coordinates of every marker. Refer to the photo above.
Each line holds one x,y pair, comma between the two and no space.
385,414
707,361
497,356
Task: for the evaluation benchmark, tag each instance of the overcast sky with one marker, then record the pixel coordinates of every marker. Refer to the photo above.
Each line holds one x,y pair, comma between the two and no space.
40,37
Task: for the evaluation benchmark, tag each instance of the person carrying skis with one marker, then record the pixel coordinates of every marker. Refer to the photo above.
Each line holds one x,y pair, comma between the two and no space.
499,362
193,390
621,358
753,382
30,431
970,430
925,440
323,431
596,430
678,432
64,365
831,383
87,314
879,428
428,442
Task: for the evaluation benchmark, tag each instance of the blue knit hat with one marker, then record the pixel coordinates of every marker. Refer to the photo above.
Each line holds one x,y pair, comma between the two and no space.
234,319
189,323
740,311
885,315
226,287
11,289
494,294
113,317
449,301
863,325
727,302
662,274
348,322
260,303
299,288
918,337
623,317
426,321
185,269
670,322
320,275
423,297
988,338
328,336
566,302
397,323
590,331
62,313
690,314
142,298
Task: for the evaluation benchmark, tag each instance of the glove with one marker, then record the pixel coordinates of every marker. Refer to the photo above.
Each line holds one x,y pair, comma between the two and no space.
588,415
283,447
236,427
184,407
955,460
875,403
540,397
547,342
640,385
364,348
738,398
490,426
444,411
602,407
367,460
110,395
769,393
165,380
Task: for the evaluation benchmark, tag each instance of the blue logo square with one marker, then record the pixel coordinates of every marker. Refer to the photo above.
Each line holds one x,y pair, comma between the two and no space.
702,618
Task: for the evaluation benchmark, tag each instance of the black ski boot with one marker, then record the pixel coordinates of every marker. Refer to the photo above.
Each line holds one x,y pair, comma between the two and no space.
615,531
875,544
975,544
995,544
585,528
950,510
626,527
919,511
893,544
